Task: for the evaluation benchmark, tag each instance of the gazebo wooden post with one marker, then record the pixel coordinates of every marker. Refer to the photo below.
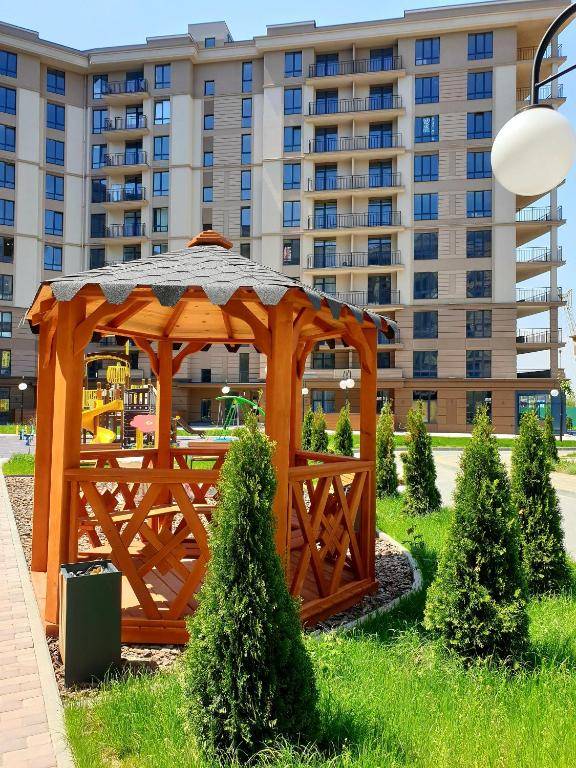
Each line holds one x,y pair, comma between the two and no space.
296,418
164,404
368,391
66,430
279,411
44,416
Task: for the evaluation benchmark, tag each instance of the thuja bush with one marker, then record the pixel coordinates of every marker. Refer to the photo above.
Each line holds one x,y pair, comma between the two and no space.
476,603
386,473
550,438
307,430
248,677
421,495
343,436
536,503
319,437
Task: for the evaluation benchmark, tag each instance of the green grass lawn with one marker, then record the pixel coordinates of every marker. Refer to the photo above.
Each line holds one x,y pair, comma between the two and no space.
567,464
19,464
389,696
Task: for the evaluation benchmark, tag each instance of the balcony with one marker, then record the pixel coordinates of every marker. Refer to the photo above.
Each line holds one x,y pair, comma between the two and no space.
337,374
351,223
533,222
329,110
531,262
537,339
531,301
125,127
528,53
523,95
132,160
381,69
387,299
124,91
383,145
132,232
356,260
531,373
356,185
124,198
395,341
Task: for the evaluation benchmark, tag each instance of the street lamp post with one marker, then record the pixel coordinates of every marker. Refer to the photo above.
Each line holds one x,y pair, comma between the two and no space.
22,387
347,382
534,151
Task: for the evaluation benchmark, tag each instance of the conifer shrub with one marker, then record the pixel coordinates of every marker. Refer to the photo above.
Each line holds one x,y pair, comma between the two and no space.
550,438
319,438
307,430
421,495
386,473
536,503
343,436
476,603
247,675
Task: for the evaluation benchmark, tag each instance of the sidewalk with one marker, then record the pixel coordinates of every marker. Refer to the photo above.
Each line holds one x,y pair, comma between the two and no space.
31,724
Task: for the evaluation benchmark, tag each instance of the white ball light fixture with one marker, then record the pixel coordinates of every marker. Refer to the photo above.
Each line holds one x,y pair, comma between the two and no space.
554,392
350,383
22,386
225,389
305,391
343,384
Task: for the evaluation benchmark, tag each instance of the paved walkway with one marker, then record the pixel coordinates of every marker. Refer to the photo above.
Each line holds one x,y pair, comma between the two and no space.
31,725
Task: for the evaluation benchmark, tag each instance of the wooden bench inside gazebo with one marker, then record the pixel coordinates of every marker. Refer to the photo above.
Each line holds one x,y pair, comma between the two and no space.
147,509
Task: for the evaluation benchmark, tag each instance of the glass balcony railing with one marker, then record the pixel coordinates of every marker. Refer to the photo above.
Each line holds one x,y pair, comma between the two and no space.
366,104
355,143
355,66
356,181
353,220
373,258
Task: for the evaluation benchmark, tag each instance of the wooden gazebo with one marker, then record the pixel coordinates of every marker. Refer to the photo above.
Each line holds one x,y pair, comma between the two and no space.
146,509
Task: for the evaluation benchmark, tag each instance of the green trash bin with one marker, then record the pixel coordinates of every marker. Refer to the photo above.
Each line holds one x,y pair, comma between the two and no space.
90,608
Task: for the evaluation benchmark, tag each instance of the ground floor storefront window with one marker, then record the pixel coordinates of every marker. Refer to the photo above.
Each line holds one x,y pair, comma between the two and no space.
429,400
474,400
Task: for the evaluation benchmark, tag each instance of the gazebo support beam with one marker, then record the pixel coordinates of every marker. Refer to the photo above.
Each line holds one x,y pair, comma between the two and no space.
368,391
164,404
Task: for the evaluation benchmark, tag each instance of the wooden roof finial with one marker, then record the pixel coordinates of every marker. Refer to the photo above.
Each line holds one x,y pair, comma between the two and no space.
210,237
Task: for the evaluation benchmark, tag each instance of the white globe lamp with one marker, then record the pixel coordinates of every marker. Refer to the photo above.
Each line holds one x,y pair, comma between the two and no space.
225,389
554,392
350,383
343,384
305,391
22,386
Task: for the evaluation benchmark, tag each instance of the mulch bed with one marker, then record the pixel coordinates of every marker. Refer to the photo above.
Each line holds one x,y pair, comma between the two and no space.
393,572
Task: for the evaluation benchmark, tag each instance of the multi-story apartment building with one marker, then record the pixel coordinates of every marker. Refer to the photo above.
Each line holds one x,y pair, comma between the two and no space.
355,157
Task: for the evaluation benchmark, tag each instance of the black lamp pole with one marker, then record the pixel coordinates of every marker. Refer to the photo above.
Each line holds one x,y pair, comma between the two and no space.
552,31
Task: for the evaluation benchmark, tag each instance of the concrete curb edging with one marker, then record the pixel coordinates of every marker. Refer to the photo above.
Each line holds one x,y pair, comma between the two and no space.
50,693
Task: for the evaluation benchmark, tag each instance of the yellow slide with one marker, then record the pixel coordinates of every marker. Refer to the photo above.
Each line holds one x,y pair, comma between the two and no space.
90,421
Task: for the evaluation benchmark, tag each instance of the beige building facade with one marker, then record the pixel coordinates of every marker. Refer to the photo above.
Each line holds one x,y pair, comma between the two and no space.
353,157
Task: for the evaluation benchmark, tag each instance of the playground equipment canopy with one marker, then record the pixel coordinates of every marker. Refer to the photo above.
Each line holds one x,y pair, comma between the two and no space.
149,516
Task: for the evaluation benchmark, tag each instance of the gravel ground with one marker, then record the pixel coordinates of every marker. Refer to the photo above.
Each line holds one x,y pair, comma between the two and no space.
393,572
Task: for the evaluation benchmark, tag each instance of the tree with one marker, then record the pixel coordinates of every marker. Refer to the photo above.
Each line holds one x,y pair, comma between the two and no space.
476,603
386,473
421,495
550,438
247,674
307,430
536,503
319,437
343,436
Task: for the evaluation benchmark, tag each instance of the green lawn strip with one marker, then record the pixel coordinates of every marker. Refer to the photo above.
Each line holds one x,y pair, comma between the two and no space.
9,429
390,696
19,464
566,466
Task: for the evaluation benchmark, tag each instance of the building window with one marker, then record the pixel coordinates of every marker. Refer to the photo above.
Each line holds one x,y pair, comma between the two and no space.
293,64
7,213
5,370
292,101
425,285
427,90
161,148
427,129
425,364
479,324
99,84
292,138
205,375
53,258
6,287
426,167
160,183
207,194
479,244
480,85
479,284
323,361
7,175
425,245
246,149
208,160
56,81
7,138
475,400
247,112
159,248
54,152
479,204
245,185
478,165
324,399
383,360
291,176
6,250
429,404
245,250
209,42
5,325
245,221
325,283
209,88
162,112
131,253
426,325
479,125
426,206
208,122
55,116
53,223
480,46
98,155
97,258
478,364
7,100
8,64
246,77
99,117
428,51
291,213
162,75
160,219
291,252
97,224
